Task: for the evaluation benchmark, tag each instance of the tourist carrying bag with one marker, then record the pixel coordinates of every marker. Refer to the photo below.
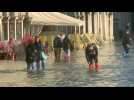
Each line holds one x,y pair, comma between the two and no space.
43,55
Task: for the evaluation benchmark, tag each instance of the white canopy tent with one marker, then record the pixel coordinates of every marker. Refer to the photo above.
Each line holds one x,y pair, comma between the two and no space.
54,18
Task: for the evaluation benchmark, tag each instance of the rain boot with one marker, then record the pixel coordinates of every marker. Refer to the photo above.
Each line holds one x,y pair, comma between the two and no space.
97,66
124,54
13,57
90,67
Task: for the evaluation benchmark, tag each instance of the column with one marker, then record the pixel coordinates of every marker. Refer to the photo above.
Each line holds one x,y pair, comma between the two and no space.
98,23
95,23
84,25
97,15
89,22
22,26
22,32
1,32
79,15
101,25
8,18
32,28
28,25
86,22
111,27
106,25
88,19
15,28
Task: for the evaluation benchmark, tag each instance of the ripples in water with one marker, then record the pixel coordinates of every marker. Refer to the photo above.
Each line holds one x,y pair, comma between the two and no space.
116,70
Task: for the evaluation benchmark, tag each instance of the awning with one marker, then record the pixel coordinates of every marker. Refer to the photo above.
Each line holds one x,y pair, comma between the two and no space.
53,18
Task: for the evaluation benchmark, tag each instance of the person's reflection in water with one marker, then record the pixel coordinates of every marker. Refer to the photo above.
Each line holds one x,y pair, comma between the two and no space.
36,75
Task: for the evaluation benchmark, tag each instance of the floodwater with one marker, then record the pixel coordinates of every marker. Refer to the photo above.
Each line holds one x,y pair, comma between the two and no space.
116,71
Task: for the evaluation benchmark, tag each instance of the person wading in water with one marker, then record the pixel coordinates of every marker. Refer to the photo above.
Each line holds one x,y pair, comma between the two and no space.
91,53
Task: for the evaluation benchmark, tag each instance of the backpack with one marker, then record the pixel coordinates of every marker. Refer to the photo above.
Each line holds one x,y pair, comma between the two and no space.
57,43
43,55
91,49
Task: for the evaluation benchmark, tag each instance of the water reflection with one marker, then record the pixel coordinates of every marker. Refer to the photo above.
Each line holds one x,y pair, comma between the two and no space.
115,71
35,75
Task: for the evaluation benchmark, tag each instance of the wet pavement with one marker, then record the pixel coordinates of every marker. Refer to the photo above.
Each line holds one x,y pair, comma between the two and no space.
116,71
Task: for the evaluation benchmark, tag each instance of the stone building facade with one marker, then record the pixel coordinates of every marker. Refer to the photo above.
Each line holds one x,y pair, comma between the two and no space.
15,24
121,20
12,25
109,25
100,23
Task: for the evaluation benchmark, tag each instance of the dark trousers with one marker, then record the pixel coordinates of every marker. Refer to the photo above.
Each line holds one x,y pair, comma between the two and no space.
39,65
30,65
42,64
92,59
126,50
57,52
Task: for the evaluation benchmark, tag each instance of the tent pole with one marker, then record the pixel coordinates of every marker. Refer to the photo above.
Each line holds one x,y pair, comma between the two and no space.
75,29
57,28
79,29
66,29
